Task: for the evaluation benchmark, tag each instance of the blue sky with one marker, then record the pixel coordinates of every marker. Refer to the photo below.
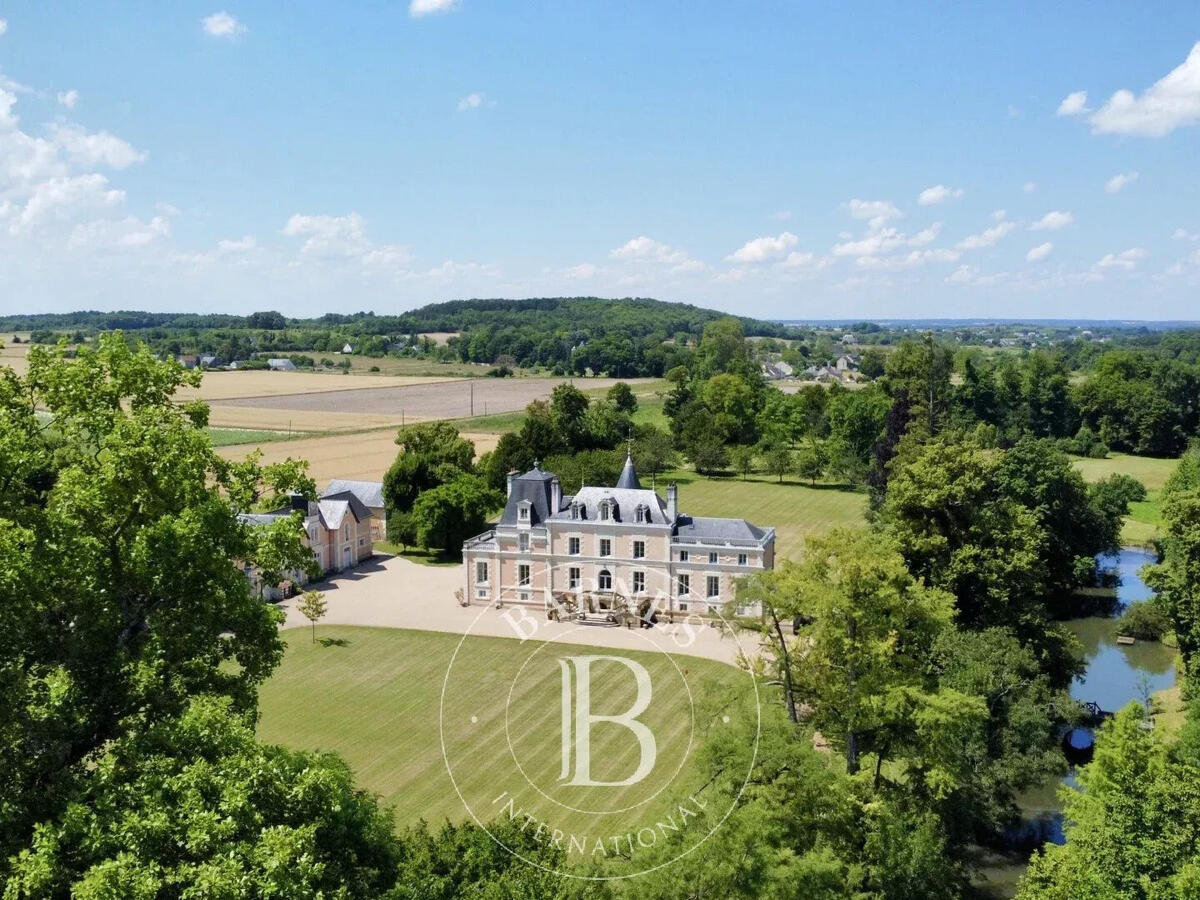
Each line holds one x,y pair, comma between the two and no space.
770,158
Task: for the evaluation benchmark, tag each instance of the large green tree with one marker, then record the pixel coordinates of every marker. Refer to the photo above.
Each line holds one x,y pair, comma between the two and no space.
119,597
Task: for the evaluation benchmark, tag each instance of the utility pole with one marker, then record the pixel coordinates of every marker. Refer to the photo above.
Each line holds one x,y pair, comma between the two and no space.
472,385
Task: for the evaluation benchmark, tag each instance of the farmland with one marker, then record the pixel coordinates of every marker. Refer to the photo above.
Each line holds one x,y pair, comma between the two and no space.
372,695
362,456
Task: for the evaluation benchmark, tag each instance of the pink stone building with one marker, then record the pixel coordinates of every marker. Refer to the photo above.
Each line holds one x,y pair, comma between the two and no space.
605,546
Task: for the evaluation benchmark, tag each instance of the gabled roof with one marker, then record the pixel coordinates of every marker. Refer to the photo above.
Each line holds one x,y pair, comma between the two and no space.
627,501
369,492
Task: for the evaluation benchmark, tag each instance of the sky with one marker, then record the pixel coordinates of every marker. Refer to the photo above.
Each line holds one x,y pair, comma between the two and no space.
775,159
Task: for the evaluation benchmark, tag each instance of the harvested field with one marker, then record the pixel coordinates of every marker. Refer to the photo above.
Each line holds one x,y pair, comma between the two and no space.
433,399
13,356
259,383
362,457
286,419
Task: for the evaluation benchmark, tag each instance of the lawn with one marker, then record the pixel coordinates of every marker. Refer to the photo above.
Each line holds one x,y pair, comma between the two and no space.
1145,518
228,437
372,695
793,509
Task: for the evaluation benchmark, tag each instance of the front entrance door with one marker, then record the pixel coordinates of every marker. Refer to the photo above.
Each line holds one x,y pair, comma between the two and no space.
347,561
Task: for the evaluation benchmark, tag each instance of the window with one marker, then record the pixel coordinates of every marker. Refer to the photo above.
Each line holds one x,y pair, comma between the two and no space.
523,513
481,572
639,582
605,547
572,578
523,541
362,542
604,511
683,585
712,559
714,586
639,549
742,559
682,604
745,610
683,556
573,546
523,574
604,580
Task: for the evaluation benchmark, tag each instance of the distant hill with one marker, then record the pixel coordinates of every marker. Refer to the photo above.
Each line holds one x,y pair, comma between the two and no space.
635,316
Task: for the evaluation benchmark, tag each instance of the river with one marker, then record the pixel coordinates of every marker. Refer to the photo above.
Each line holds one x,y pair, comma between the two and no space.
1115,674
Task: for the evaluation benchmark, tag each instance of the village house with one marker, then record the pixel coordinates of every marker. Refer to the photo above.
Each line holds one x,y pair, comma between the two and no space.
369,494
281,365
337,527
608,548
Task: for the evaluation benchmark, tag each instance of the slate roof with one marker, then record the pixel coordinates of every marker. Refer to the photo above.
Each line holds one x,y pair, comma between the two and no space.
370,493
331,510
626,499
706,528
629,479
533,486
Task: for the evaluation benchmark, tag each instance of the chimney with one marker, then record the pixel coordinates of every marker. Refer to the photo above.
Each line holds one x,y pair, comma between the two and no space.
512,474
555,495
672,502
299,503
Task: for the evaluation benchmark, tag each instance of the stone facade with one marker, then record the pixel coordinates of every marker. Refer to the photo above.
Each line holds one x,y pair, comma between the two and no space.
609,547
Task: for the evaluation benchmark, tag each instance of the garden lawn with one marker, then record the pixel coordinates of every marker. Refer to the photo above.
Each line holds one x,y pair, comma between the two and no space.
794,509
1145,517
372,695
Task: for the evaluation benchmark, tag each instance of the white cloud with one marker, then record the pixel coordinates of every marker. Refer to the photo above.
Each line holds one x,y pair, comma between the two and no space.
879,241
1052,221
1182,234
781,215
1171,102
581,272
963,275
418,8
3,26
939,193
99,148
1029,187
764,248
999,215
985,238
801,261
471,101
1126,259
68,98
123,234
65,198
1040,252
222,25
1118,183
343,237
877,212
1074,104
242,245
646,249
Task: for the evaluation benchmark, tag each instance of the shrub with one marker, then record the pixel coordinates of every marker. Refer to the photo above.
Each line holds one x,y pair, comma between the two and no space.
1144,621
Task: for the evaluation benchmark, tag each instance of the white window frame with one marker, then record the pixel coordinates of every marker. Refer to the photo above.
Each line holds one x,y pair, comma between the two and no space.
524,574
712,558
523,542
574,545
481,571
605,547
743,559
683,584
708,583
684,555
573,578
639,582
604,573
639,549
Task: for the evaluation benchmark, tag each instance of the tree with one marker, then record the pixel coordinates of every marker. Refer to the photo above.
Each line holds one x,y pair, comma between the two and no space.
313,607
653,450
708,455
118,597
1132,825
430,454
1176,580
922,371
568,406
145,822
742,458
621,396
778,461
810,463
512,454
448,514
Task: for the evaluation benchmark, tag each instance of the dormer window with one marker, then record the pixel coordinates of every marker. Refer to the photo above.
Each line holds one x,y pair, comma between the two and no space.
604,514
642,513
523,513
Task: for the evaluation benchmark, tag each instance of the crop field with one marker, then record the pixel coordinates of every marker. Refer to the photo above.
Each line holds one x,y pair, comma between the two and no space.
259,383
793,509
372,695
360,456
1144,521
13,355
421,400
